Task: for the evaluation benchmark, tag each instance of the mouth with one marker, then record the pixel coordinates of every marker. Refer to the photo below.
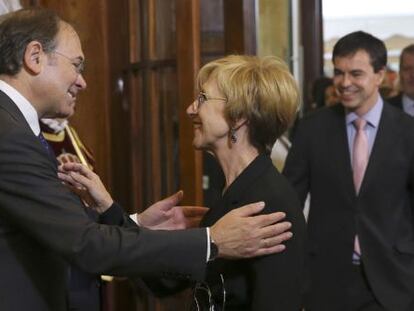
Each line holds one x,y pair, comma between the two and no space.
196,125
347,93
72,94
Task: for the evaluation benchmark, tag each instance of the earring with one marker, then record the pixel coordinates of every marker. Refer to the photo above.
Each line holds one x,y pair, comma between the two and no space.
233,136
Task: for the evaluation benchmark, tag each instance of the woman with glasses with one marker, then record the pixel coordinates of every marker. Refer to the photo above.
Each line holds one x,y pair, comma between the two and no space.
245,103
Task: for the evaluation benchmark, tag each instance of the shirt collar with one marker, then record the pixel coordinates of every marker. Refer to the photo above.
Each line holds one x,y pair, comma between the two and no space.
372,116
25,107
407,101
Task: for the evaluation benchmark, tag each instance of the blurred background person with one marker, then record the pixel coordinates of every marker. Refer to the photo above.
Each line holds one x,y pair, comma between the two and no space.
65,142
389,87
323,93
405,98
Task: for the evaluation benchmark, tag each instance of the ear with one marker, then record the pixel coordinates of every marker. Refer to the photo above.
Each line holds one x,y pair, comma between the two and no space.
239,123
34,57
381,76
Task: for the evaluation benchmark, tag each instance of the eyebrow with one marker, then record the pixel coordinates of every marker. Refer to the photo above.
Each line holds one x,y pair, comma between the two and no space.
353,71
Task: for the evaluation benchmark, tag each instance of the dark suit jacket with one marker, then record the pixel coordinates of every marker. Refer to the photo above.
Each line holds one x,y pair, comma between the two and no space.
396,101
84,289
43,227
382,214
273,282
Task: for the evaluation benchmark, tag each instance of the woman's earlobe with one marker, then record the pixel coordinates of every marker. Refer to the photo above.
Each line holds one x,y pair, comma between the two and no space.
233,136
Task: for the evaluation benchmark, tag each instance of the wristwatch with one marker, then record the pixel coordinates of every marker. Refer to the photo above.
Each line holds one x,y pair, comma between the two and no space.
213,250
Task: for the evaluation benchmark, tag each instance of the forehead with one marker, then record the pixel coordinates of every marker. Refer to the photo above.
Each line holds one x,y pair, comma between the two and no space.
210,85
68,41
408,59
360,59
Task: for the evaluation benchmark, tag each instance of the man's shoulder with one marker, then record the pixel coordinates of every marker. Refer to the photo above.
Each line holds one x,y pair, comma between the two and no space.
398,122
10,116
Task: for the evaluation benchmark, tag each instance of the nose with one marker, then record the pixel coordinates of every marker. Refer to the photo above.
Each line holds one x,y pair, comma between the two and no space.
343,81
190,110
347,80
80,82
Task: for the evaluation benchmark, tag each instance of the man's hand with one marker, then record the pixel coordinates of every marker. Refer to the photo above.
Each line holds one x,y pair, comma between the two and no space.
87,185
239,234
165,215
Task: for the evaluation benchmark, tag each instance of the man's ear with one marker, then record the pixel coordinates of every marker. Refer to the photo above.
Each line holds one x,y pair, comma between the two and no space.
381,76
34,57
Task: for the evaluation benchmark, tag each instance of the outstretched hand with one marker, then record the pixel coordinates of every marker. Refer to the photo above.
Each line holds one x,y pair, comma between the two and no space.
86,184
240,234
166,215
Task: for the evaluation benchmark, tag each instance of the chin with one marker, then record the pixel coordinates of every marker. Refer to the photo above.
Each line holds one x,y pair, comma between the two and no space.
350,105
198,145
66,113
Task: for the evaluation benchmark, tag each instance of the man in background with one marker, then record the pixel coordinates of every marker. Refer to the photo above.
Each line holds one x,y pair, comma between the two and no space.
405,99
356,160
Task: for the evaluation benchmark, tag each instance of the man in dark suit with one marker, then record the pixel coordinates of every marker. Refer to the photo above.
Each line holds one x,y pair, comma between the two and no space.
405,99
360,179
43,225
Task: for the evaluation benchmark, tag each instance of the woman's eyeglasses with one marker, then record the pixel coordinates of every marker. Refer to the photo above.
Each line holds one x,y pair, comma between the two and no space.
202,98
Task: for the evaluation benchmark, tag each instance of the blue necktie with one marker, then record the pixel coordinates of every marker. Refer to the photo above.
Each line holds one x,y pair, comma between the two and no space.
46,145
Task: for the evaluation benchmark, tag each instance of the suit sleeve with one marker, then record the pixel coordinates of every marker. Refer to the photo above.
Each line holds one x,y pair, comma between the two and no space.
297,168
33,200
116,216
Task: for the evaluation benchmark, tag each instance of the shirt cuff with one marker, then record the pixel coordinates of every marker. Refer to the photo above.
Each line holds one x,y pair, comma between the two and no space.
134,218
208,243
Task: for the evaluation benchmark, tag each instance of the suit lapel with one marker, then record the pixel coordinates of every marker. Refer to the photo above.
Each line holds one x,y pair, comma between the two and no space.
341,162
8,105
382,145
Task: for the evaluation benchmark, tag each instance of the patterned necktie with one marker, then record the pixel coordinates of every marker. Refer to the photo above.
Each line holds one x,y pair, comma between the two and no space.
359,164
46,145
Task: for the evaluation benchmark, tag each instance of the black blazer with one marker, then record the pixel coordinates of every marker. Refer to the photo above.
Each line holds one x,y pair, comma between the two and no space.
382,214
273,282
43,227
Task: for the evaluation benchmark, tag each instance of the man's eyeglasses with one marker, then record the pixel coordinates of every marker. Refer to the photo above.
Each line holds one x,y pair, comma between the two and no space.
202,98
78,63
208,298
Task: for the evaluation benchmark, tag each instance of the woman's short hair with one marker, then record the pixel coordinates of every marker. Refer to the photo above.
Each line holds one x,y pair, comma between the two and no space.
260,90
